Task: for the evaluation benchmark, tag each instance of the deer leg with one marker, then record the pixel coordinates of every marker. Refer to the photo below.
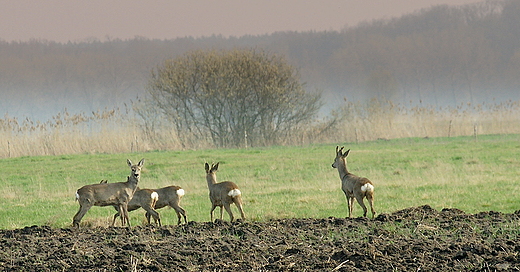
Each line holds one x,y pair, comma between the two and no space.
152,213
221,212
149,213
350,206
148,217
121,215
228,210
181,213
238,202
158,220
360,201
350,201
370,198
211,212
127,218
124,211
116,215
178,217
83,209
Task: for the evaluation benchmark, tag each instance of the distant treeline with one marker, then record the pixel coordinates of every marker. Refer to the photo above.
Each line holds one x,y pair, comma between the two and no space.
442,55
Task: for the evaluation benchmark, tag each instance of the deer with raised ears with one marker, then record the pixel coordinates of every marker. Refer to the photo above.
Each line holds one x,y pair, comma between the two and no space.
352,185
142,198
222,194
109,194
170,196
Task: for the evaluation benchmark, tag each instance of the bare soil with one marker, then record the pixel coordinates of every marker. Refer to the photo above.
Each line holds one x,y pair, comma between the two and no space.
414,239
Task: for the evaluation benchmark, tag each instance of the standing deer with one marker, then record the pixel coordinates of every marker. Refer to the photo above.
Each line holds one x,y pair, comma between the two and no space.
148,199
169,196
109,194
145,198
223,193
352,185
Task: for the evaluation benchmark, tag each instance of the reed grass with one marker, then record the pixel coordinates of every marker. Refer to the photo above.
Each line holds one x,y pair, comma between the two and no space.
385,120
121,130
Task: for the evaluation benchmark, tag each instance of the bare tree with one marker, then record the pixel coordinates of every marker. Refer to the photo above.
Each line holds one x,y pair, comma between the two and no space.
232,97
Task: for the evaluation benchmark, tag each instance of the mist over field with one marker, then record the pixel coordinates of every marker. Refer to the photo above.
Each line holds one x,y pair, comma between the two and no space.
441,56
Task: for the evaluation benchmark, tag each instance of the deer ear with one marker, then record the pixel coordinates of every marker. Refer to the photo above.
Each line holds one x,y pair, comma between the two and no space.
141,162
206,166
129,162
215,166
346,153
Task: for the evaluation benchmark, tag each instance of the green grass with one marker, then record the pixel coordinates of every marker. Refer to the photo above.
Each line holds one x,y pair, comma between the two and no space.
276,182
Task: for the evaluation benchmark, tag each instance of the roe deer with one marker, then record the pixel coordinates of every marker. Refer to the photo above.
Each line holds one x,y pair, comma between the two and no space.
169,196
352,185
148,199
109,194
142,198
222,193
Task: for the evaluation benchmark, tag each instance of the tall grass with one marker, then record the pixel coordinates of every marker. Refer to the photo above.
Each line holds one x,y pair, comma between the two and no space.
118,131
107,131
384,120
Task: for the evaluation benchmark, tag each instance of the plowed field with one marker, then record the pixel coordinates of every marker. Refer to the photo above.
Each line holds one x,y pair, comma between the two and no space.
414,239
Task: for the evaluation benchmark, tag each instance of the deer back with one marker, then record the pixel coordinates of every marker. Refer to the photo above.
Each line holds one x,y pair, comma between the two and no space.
105,194
167,196
223,192
349,182
353,183
141,198
219,192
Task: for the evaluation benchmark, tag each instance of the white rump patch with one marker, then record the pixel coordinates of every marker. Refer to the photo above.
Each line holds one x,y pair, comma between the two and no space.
234,193
155,196
180,192
367,187
77,195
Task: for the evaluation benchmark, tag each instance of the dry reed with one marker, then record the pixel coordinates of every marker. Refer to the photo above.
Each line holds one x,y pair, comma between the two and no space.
358,122
113,131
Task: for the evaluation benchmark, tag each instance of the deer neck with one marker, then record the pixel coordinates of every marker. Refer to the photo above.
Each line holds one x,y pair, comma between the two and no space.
342,169
212,179
132,182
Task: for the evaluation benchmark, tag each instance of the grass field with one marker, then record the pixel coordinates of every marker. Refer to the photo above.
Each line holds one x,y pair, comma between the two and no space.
460,172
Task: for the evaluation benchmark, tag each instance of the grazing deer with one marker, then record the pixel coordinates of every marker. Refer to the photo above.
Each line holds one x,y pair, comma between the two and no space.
222,193
109,194
142,198
152,199
169,196
352,185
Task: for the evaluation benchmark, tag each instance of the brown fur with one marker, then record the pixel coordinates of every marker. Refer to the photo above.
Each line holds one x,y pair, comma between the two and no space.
168,197
109,194
219,193
352,184
142,198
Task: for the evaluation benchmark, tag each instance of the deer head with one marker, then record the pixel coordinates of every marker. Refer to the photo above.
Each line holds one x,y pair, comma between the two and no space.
136,168
339,156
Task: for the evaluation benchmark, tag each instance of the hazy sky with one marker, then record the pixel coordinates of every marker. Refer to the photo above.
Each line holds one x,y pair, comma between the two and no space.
77,20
